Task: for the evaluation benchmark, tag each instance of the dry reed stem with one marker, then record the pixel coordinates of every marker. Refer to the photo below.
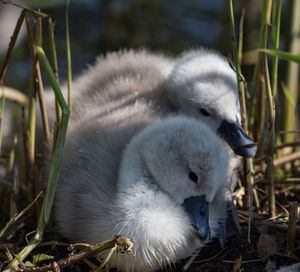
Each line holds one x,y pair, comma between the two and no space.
259,113
32,95
19,215
40,88
11,46
271,136
286,159
27,155
290,144
191,260
294,181
13,95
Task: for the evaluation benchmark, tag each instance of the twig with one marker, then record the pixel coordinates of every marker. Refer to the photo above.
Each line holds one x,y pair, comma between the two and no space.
13,95
19,215
211,258
286,159
292,144
249,261
281,206
112,250
5,64
54,243
7,245
11,46
24,253
293,181
191,260
92,250
237,264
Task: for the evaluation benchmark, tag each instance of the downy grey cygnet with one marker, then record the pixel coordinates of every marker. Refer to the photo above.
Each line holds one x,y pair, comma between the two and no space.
158,182
199,83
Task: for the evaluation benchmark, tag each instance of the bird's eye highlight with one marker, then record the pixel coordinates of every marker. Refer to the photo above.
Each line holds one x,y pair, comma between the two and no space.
204,112
193,177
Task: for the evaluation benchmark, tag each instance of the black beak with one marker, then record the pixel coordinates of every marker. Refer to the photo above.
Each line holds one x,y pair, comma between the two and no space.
237,139
197,207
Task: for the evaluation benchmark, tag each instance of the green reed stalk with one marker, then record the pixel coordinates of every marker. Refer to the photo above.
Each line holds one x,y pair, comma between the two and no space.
69,57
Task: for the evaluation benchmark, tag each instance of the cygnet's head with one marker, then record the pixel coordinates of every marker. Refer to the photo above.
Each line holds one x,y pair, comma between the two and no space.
203,85
183,158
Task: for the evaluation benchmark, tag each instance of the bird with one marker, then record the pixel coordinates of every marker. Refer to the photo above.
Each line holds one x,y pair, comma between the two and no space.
203,84
157,181
198,83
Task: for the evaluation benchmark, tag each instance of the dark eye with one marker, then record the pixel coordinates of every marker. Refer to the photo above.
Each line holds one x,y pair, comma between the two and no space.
204,112
193,177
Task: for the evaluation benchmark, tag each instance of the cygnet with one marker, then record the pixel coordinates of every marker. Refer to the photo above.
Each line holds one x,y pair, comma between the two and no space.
202,84
158,184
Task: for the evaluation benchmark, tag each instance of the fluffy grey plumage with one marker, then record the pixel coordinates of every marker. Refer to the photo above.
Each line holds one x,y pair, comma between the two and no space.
108,186
114,100
119,79
198,80
104,190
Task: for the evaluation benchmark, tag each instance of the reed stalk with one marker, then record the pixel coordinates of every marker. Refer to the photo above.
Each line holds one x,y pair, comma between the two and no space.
247,163
265,20
59,144
40,87
32,90
69,58
289,114
272,91
4,67
237,59
51,26
54,166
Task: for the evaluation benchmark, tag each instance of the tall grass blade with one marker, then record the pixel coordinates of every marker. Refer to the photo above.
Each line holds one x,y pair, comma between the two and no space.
59,144
51,26
281,54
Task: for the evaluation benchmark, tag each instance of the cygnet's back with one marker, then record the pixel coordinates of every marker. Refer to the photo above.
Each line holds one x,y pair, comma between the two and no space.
117,80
